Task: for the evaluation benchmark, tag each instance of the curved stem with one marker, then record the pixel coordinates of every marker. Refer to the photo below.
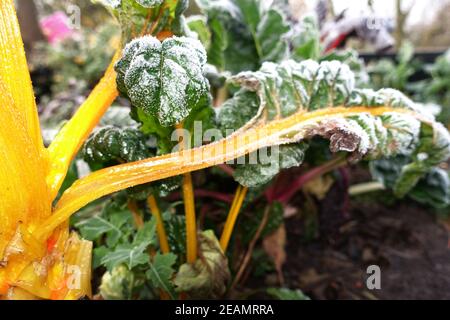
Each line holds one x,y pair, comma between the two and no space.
298,183
137,217
163,242
232,216
72,136
110,180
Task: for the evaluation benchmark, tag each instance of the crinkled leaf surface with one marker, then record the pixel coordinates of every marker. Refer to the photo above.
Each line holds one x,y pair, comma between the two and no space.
268,163
291,88
244,33
164,79
209,275
297,101
115,145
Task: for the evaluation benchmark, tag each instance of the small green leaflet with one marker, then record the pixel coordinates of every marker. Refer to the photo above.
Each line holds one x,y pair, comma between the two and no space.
433,189
115,221
132,254
164,79
160,272
128,254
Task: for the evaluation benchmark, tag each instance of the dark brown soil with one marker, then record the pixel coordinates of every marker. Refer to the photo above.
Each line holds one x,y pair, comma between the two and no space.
407,243
405,240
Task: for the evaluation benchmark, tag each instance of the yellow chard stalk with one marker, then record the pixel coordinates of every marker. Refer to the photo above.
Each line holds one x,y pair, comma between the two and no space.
40,258
56,266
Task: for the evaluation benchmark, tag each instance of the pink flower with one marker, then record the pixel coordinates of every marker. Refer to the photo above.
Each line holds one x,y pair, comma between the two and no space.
56,27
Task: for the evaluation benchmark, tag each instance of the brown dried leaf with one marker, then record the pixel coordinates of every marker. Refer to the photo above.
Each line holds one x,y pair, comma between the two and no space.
274,245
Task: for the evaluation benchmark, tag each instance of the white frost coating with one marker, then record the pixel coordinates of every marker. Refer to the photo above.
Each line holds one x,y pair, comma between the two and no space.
431,108
365,97
112,3
442,139
337,74
403,132
422,156
306,70
149,3
164,79
397,99
368,123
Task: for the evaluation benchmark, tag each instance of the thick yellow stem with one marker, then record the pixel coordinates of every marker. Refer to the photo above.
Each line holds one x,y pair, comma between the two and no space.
15,75
189,206
109,180
72,136
241,192
191,223
137,217
163,242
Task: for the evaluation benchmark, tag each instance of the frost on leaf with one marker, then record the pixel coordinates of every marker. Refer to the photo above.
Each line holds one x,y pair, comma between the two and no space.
150,3
164,79
284,157
324,101
209,275
115,145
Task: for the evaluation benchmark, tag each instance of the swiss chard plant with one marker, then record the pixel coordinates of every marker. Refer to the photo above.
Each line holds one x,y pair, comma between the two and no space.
242,93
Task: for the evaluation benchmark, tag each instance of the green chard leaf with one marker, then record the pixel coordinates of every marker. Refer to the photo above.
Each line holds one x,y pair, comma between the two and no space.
268,28
114,221
243,34
135,253
134,16
115,145
377,124
432,189
160,272
350,57
209,275
305,39
231,46
270,163
164,79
